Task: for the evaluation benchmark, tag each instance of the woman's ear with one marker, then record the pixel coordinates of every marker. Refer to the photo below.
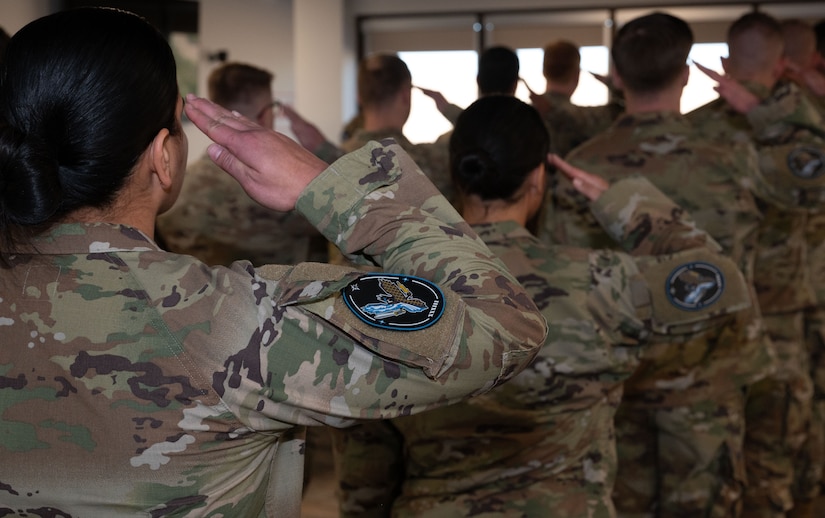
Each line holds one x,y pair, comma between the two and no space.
535,184
537,179
161,159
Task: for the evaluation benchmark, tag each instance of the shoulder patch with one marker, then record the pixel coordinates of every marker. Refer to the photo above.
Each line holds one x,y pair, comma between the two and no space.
807,162
695,286
397,302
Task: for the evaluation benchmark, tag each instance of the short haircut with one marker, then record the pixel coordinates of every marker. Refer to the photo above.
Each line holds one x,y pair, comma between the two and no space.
800,41
232,84
650,52
498,69
562,61
755,43
380,78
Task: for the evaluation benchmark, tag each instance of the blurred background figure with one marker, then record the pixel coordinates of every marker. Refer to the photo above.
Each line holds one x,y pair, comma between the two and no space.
569,124
214,219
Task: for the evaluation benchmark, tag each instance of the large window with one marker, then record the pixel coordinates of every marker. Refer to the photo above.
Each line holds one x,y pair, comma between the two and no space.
590,92
453,73
441,51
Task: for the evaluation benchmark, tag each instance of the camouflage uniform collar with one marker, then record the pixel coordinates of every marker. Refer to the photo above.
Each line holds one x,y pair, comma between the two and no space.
82,238
758,89
501,230
363,135
657,119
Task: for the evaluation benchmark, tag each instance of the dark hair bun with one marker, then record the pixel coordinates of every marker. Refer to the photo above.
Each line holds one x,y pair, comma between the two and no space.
30,190
474,166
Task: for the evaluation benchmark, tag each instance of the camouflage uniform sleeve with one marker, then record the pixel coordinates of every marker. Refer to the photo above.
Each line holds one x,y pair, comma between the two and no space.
789,134
378,208
567,217
643,221
451,112
690,285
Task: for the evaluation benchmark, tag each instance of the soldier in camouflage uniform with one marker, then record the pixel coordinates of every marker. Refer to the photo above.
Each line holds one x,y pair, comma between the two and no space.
680,424
134,381
384,93
543,444
498,74
806,67
803,63
569,124
758,109
214,219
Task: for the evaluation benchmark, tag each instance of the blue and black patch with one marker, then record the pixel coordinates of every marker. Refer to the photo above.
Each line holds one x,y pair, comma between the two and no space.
695,286
807,162
397,302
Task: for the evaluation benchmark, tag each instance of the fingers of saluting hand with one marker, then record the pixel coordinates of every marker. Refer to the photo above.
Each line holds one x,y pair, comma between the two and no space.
716,76
215,121
272,168
590,185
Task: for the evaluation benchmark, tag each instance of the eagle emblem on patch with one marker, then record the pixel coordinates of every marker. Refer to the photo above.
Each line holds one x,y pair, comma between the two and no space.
695,286
398,302
806,162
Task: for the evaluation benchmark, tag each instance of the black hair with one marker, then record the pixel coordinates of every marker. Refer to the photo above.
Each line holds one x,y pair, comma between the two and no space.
819,30
497,141
83,92
650,52
498,69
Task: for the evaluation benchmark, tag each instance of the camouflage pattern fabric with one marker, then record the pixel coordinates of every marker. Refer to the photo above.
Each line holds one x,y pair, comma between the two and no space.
218,223
433,158
571,125
811,478
693,386
784,441
134,381
452,112
543,443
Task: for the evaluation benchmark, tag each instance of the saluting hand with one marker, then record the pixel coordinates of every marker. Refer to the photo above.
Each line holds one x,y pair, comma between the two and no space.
731,90
272,168
813,78
441,102
307,133
588,184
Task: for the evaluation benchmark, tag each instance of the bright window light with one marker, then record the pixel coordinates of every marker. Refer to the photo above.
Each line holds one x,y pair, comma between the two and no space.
590,92
458,83
453,73
699,90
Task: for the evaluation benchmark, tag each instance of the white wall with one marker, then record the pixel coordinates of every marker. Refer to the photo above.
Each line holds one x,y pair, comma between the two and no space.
14,14
258,32
301,42
310,44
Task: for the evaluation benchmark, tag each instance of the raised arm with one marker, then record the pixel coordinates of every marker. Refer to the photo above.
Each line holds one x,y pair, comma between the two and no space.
378,208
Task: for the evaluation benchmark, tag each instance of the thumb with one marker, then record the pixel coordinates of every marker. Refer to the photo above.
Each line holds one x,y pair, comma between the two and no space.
226,160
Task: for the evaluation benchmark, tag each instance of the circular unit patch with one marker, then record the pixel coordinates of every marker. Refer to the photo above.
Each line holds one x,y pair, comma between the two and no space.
695,286
806,162
397,302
